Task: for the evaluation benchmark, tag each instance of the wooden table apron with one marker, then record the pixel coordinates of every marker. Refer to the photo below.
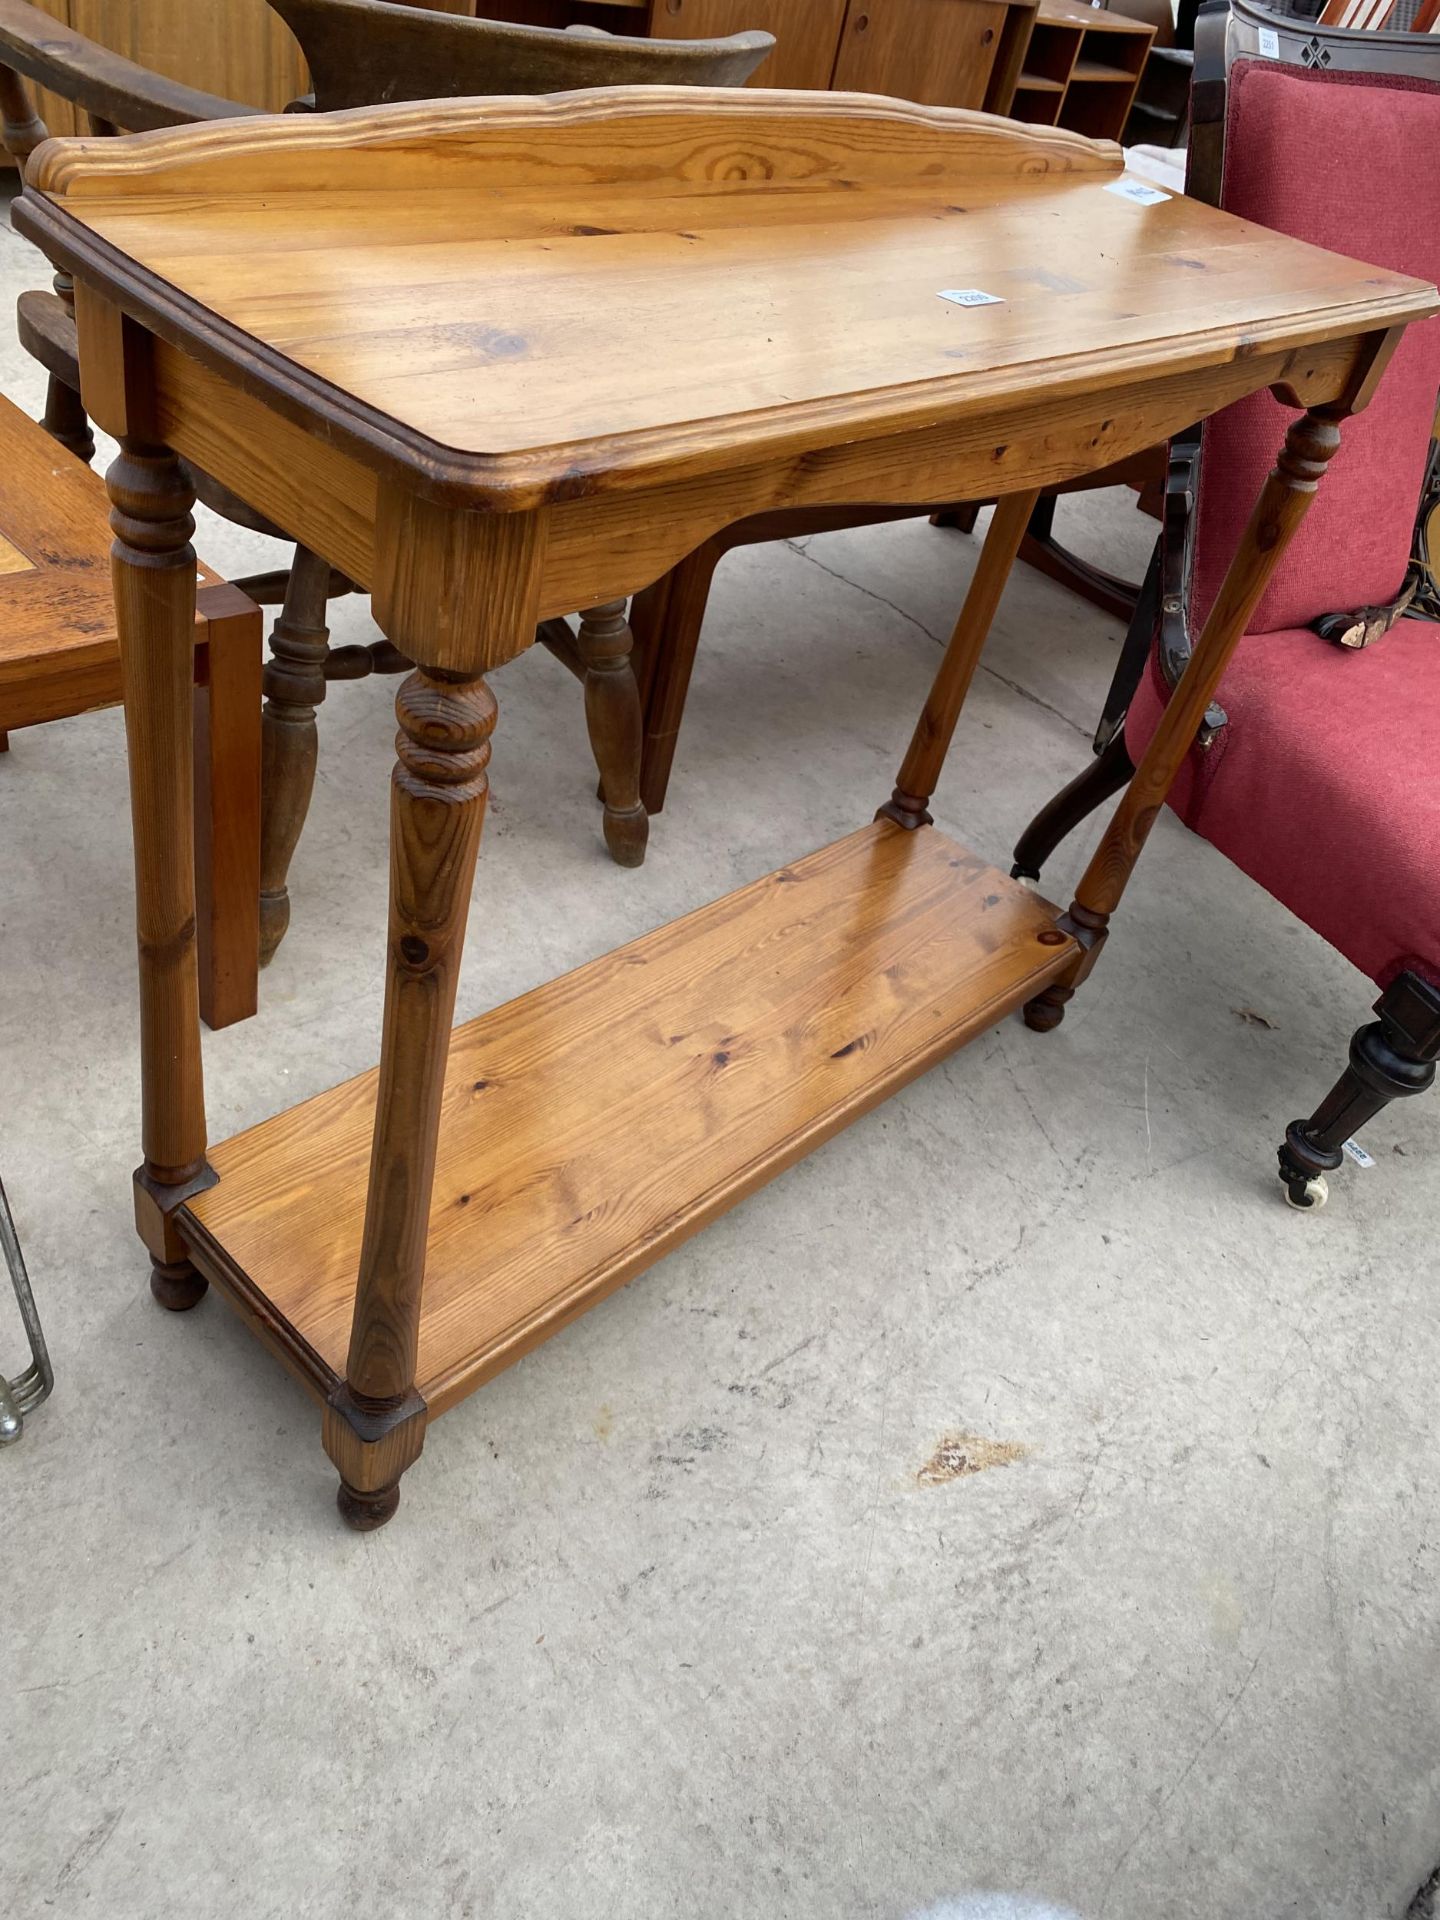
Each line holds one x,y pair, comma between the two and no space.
945,945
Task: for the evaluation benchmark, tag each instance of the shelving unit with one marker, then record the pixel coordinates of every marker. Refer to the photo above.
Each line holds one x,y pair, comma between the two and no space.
1081,70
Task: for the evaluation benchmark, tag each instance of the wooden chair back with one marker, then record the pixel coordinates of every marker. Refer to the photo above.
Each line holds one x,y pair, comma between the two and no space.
363,52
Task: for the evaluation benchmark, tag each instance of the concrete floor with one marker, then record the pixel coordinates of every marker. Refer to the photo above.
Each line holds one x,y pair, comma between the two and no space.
673,1621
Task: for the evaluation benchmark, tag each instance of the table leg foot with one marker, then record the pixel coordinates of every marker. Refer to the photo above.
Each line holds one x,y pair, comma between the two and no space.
367,1511
176,1285
1045,1012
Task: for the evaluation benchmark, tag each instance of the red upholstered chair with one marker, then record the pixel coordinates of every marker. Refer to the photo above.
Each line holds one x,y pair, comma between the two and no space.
1321,776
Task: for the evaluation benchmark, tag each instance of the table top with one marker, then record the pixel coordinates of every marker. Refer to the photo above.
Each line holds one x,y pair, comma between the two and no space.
536,296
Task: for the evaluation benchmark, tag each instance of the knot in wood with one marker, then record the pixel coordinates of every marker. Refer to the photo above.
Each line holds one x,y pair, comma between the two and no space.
1309,445
150,502
445,728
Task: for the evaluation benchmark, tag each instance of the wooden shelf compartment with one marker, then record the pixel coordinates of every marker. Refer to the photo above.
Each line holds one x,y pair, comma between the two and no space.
1097,70
595,1123
1122,53
1036,109
1038,83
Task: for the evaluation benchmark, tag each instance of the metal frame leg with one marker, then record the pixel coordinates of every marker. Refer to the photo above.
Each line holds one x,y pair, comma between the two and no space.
23,1394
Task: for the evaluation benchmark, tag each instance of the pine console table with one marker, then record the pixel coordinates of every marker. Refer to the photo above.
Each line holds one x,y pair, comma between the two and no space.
500,360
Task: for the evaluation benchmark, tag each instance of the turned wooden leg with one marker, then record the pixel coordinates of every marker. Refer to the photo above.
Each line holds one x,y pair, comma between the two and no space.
612,714
227,806
667,619
294,687
1392,1058
908,805
66,420
375,1423
154,575
21,128
1284,500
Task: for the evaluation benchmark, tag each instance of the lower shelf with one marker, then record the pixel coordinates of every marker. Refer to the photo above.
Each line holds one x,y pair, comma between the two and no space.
597,1122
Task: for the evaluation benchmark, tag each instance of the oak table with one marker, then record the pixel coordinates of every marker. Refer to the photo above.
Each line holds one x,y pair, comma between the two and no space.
496,360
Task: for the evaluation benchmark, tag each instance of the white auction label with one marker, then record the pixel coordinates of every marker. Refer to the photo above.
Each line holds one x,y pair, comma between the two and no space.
1269,43
1357,1153
1139,191
971,297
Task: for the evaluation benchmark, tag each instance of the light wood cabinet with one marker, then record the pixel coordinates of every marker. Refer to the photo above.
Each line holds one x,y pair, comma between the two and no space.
951,53
238,49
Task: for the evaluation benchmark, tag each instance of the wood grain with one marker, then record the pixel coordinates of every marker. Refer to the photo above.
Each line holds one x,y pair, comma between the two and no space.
240,48
798,312
806,33
941,52
599,1121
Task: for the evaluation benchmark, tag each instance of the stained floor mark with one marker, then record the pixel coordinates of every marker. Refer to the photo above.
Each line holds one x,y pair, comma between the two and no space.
958,1454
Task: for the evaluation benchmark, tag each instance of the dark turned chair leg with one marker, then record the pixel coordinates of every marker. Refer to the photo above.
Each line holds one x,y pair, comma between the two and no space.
1103,778
66,420
294,687
1390,1058
612,714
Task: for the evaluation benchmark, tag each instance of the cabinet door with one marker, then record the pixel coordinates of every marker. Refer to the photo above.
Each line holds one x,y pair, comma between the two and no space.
806,32
939,52
240,50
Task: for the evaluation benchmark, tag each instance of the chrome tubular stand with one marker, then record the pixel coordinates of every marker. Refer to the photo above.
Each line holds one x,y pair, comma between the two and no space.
19,1396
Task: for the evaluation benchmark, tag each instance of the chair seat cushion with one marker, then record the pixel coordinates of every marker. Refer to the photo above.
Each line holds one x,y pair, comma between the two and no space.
1325,786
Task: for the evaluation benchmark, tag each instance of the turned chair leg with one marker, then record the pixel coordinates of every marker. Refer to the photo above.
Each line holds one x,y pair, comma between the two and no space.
66,420
294,686
612,714
374,1424
1390,1059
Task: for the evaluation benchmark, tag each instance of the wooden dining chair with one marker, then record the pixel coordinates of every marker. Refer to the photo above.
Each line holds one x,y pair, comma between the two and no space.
1317,771
361,52
364,52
